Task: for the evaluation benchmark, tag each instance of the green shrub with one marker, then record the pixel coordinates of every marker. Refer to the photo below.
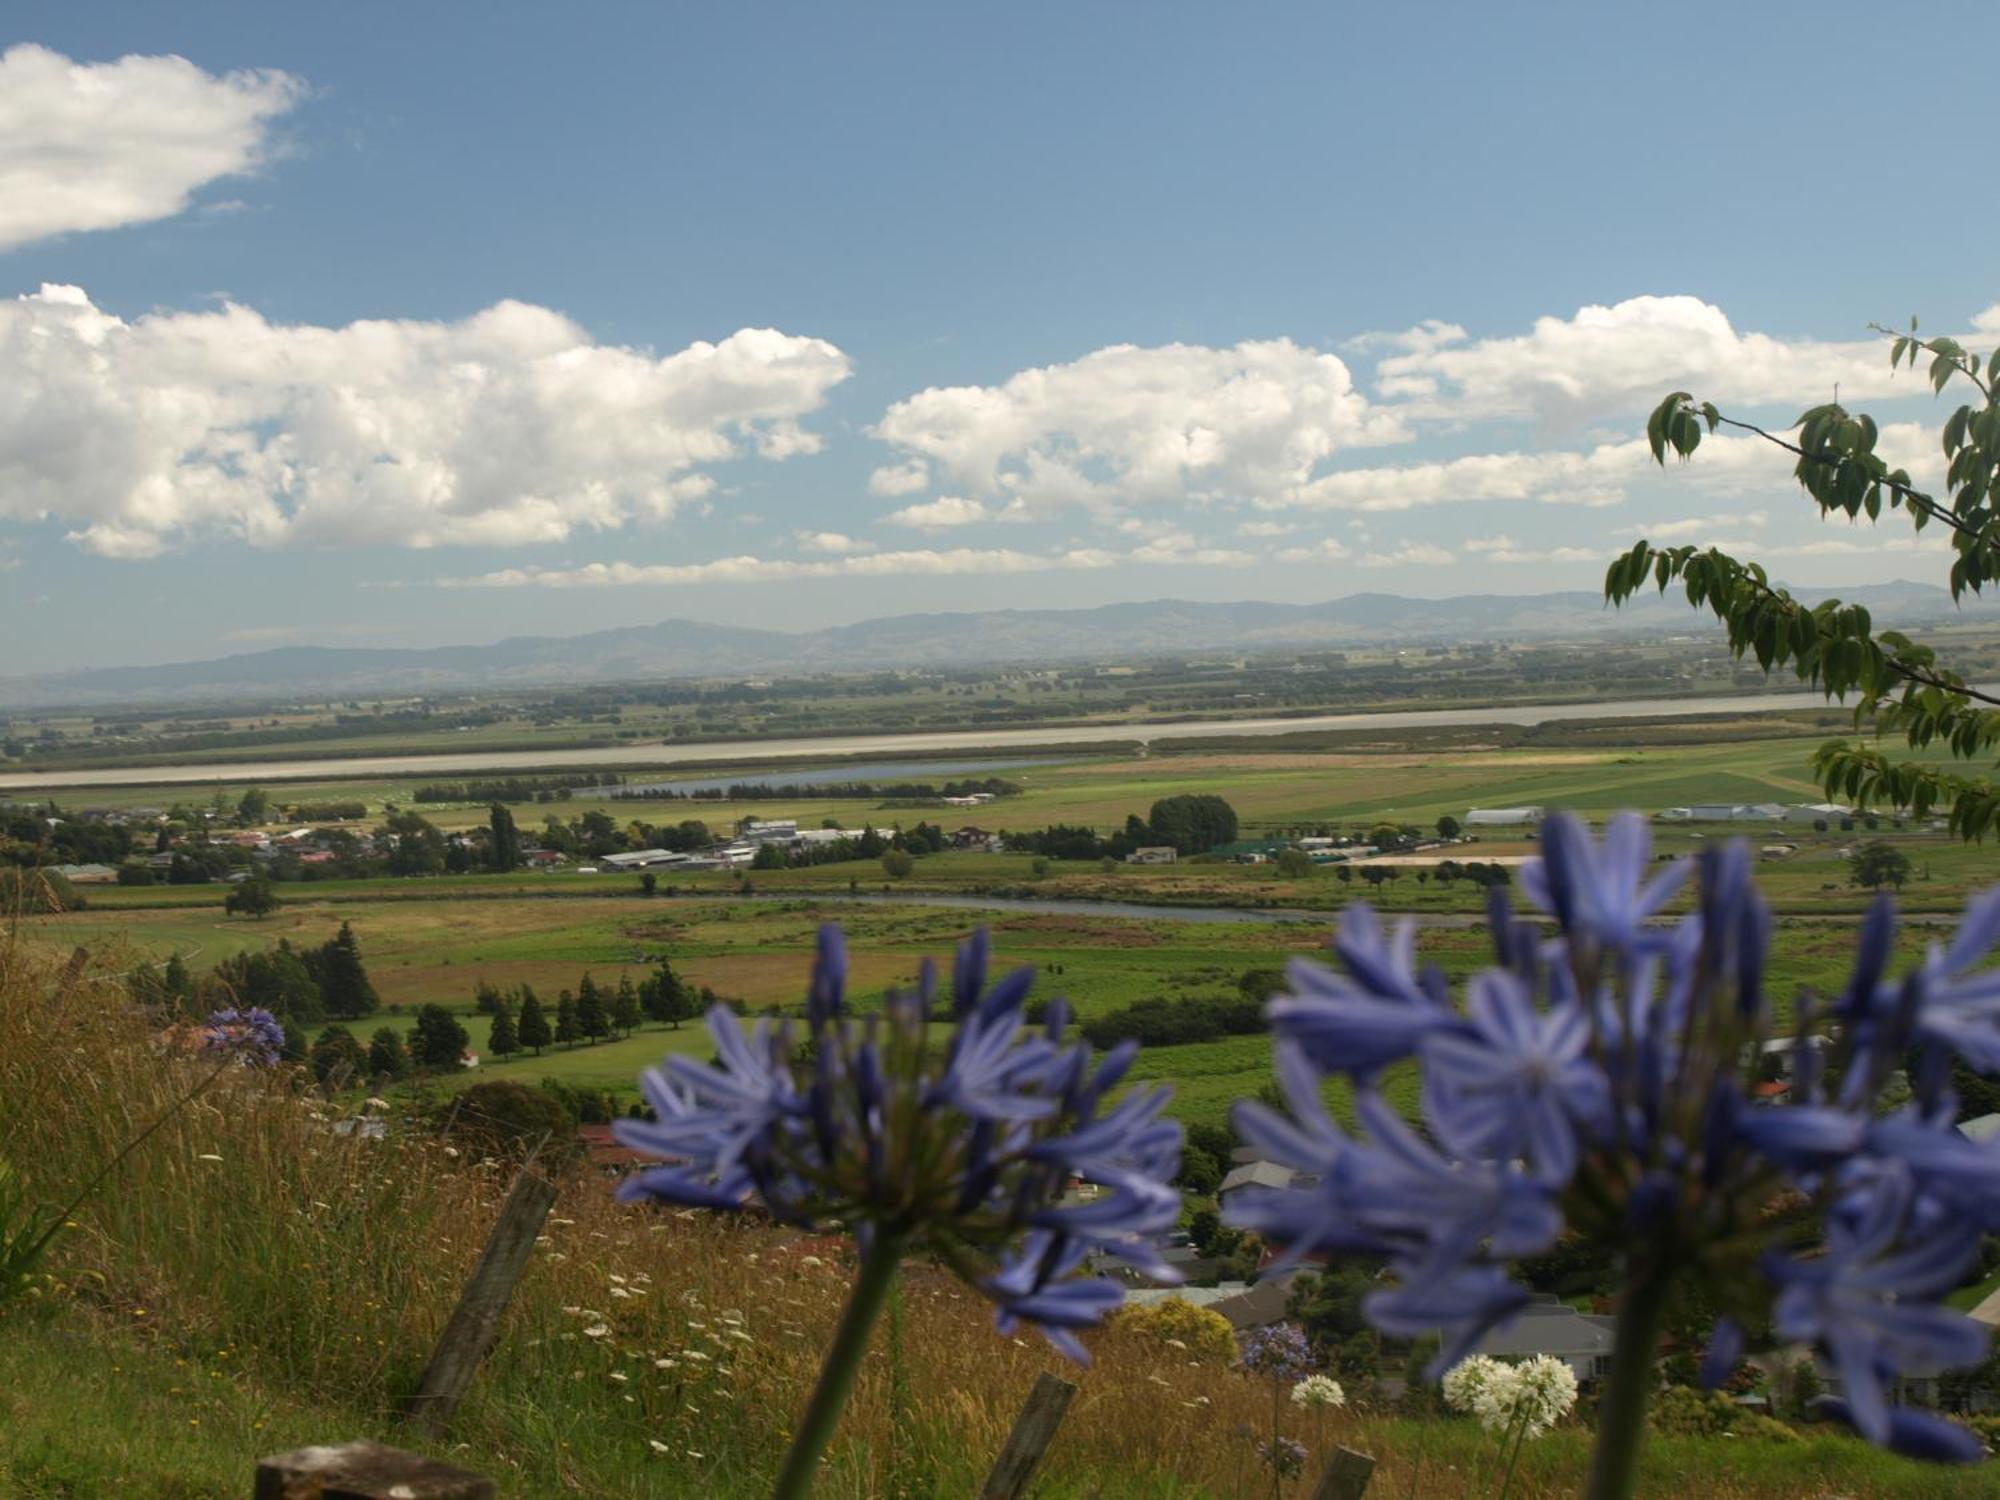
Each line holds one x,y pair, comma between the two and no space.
499,1116
1687,1412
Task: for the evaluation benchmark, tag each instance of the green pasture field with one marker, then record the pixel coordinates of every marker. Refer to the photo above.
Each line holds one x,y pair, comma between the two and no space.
434,939
759,952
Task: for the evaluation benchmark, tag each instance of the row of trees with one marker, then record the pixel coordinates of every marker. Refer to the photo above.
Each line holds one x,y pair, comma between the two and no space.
591,1013
437,1044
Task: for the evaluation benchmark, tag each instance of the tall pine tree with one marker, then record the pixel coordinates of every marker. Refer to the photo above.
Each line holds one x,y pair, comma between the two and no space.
565,1019
593,1020
344,987
533,1027
506,838
502,1040
666,998
439,1040
387,1056
625,1007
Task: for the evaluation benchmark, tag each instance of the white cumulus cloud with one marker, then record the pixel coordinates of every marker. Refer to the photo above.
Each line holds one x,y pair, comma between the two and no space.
1599,476
1172,551
837,543
940,514
1696,526
97,145
1130,428
1611,361
1411,554
1504,549
911,478
508,427
1327,549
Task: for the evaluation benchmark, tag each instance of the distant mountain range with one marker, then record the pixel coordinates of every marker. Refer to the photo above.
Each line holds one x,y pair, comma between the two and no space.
688,648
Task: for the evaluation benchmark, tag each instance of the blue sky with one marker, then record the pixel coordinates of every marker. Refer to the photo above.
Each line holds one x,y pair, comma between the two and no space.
420,324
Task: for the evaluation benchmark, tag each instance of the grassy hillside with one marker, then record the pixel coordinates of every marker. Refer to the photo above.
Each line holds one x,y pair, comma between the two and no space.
253,1280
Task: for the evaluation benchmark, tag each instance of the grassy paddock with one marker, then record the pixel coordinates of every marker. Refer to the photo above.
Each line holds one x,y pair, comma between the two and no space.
438,952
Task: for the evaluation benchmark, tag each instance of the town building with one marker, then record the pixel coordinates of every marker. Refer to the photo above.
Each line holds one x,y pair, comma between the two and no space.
1503,817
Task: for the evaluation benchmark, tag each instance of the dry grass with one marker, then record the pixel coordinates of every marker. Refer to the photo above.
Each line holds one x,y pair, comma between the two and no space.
648,1352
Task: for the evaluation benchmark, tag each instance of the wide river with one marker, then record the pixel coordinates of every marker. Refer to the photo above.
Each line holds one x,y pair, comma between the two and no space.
685,752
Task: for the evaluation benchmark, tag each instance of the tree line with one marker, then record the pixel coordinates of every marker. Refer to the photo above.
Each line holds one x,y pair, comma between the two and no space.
1192,823
300,986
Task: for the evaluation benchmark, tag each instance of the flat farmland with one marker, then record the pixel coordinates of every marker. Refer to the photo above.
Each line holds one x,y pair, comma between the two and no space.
759,952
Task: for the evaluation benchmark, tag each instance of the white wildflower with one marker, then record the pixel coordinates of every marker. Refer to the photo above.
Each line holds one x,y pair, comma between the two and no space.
1318,1390
1530,1397
1464,1381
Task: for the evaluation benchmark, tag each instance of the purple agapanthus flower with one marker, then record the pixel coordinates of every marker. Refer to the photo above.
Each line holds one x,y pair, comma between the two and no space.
991,1147
1515,1080
1605,1080
1601,893
1284,1456
252,1035
1278,1351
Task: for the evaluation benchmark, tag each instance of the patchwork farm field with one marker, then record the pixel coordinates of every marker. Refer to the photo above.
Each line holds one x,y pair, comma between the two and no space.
1105,935
758,951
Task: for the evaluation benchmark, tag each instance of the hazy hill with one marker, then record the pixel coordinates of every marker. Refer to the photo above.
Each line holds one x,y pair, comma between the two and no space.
688,648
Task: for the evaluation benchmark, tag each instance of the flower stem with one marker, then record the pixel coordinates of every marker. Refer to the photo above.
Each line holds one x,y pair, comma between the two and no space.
1277,1414
1520,1435
1621,1415
843,1363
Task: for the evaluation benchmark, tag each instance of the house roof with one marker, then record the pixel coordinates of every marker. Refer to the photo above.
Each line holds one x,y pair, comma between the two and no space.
1198,1296
1259,1305
1549,1328
1267,1174
1981,1128
1987,1311
603,1148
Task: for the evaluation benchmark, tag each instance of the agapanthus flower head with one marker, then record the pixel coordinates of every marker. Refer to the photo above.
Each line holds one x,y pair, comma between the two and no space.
1318,1391
253,1035
1285,1456
965,1134
1464,1382
1279,1351
1604,1081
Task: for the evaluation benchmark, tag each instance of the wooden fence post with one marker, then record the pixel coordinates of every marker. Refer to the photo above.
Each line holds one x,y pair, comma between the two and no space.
1346,1476
1034,1430
476,1320
364,1471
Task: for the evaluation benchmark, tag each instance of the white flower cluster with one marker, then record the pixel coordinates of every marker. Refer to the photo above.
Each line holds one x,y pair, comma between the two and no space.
1532,1396
1464,1381
1318,1390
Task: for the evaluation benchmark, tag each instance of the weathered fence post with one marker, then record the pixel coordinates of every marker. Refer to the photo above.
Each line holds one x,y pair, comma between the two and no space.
476,1319
364,1471
1346,1476
1033,1431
